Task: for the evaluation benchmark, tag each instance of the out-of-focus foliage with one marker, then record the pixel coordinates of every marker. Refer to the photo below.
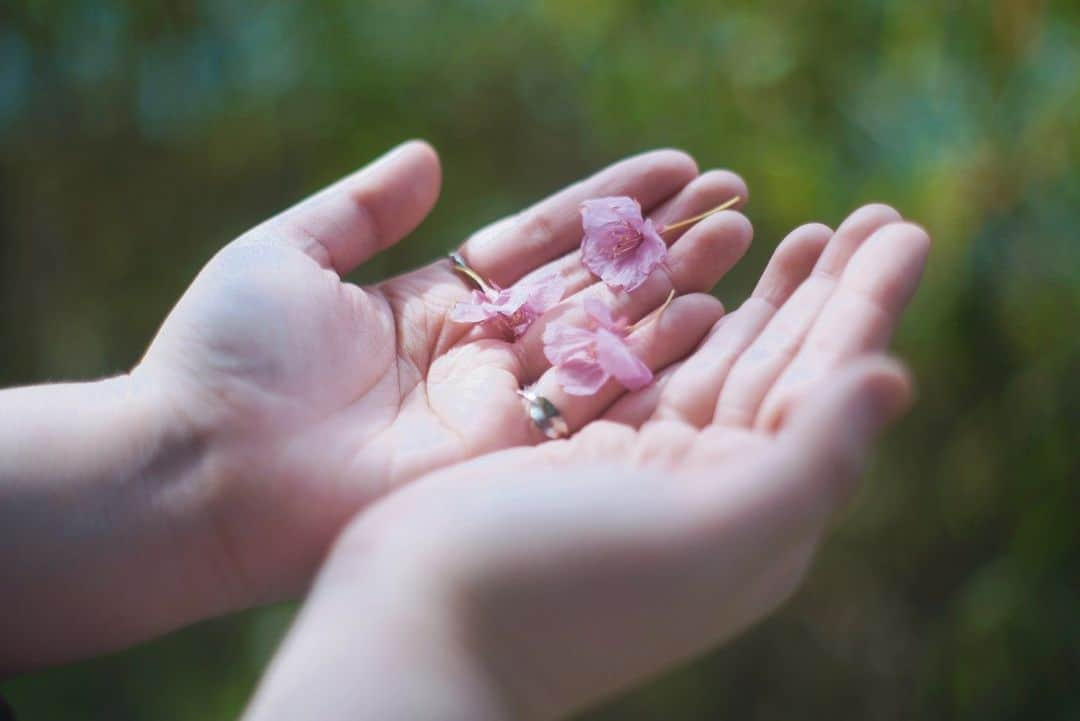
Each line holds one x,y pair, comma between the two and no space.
136,138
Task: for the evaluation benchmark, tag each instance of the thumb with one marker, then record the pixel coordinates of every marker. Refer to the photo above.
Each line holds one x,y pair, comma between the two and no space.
833,429
345,224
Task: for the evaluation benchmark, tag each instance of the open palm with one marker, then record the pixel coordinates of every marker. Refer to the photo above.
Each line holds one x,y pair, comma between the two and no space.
318,396
544,578
533,581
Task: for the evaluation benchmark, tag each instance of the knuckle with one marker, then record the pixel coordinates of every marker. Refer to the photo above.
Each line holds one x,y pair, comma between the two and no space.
535,228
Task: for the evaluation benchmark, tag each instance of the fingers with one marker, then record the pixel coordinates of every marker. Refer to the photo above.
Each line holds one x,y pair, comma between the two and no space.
859,317
829,433
636,407
705,192
364,213
690,393
659,342
510,248
799,479
695,263
765,358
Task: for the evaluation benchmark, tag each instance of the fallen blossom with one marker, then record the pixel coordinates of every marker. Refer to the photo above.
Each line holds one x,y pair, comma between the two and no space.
619,245
512,309
586,358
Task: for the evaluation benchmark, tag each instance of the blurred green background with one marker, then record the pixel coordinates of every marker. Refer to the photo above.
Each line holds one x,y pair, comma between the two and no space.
137,138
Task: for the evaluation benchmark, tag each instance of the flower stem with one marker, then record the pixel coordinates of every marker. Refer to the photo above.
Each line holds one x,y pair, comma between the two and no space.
655,315
702,216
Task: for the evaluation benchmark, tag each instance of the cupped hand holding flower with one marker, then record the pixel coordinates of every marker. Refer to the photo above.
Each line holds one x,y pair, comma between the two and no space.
545,579
534,581
278,399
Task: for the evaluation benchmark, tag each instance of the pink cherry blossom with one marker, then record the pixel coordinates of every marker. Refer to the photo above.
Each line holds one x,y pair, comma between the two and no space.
512,309
619,245
586,358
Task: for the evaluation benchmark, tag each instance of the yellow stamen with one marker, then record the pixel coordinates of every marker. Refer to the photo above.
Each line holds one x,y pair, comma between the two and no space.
702,216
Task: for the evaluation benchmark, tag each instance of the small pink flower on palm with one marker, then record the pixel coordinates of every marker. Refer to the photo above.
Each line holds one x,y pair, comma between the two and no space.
619,245
512,309
586,358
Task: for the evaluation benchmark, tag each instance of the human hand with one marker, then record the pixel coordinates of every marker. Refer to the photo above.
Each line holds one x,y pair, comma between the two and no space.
313,397
532,581
277,401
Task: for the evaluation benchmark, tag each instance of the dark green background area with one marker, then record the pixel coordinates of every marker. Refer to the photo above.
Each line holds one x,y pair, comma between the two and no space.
137,138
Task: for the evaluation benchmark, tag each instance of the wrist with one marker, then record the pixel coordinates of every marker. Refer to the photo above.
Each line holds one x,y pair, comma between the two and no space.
103,537
178,470
381,635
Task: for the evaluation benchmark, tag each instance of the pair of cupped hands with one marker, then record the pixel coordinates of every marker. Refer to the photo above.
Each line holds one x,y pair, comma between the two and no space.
350,443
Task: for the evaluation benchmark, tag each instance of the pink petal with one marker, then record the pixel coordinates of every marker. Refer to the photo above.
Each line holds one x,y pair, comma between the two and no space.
476,310
600,212
468,313
598,256
651,253
615,356
518,306
603,317
514,297
619,246
599,312
607,223
562,342
629,271
581,376
622,274
546,292
595,256
520,321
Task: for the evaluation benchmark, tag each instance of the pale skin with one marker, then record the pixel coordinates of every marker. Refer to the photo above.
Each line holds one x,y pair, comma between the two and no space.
549,577
278,402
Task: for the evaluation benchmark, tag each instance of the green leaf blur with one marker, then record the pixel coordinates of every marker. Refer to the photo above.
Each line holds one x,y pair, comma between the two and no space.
137,138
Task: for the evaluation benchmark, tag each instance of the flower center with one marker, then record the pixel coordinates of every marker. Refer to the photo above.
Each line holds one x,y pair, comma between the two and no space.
627,239
520,316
